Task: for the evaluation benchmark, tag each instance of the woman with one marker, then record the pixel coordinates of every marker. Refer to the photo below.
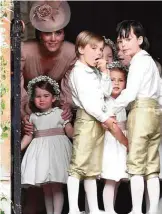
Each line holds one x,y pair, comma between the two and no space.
47,55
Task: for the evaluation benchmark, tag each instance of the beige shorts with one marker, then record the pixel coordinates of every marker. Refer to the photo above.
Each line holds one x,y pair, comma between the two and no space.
86,161
144,138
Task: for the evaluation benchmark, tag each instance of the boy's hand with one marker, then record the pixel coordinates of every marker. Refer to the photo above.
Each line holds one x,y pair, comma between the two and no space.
102,65
108,124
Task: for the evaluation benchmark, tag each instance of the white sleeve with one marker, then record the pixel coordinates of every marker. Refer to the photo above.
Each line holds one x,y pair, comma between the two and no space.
160,94
135,77
89,94
106,84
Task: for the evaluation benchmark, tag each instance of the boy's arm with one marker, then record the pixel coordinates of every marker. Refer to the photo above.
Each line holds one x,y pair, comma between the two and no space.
69,130
25,141
89,95
135,77
106,85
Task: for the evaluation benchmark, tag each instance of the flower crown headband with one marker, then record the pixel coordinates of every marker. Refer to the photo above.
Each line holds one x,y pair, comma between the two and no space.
45,79
117,64
112,45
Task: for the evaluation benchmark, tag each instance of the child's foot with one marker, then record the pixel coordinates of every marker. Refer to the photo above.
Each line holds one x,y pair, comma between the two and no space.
134,213
111,212
98,212
77,212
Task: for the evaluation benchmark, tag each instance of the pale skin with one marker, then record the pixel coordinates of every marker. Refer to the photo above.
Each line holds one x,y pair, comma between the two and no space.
43,100
91,55
108,54
50,44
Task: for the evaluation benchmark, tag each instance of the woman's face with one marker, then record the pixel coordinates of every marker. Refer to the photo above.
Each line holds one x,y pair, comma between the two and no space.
52,41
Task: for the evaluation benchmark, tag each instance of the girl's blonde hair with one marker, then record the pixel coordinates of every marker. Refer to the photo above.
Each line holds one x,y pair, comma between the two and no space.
86,37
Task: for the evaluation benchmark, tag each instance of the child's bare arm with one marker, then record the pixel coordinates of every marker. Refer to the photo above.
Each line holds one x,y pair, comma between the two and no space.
69,130
25,141
118,134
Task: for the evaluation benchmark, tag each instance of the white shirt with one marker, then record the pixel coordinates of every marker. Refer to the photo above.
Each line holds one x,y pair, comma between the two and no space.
143,82
89,87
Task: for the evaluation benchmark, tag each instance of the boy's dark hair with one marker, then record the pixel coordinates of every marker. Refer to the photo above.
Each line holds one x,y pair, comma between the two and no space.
123,30
43,85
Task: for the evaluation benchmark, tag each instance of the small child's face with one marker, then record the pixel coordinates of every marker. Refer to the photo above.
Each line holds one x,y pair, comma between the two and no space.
108,54
118,82
91,53
43,99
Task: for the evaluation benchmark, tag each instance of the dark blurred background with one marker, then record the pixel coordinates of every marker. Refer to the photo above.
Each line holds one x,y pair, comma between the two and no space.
102,17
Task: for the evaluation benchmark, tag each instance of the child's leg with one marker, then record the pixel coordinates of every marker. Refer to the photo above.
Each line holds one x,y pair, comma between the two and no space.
73,191
108,196
116,191
153,187
58,197
147,199
91,192
137,190
48,198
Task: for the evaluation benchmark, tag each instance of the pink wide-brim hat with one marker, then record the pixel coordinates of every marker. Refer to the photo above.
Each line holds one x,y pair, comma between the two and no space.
49,16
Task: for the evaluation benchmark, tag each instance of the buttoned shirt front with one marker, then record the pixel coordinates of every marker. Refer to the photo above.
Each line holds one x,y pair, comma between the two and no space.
89,88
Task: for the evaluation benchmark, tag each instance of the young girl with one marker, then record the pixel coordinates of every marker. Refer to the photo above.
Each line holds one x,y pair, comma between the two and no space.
114,155
109,52
47,158
143,92
89,88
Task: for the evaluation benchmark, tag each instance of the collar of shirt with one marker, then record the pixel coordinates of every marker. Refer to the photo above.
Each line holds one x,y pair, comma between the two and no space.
85,67
140,53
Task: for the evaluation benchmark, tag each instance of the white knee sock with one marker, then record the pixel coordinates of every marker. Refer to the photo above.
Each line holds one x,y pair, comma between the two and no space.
116,191
108,196
73,191
147,199
91,192
48,198
137,190
58,198
153,187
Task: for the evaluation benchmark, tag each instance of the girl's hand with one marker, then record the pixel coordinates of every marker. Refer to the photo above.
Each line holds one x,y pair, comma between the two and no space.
66,114
102,65
28,127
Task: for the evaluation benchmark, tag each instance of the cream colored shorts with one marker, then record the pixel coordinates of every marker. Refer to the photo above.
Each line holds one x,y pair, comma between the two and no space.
87,149
144,138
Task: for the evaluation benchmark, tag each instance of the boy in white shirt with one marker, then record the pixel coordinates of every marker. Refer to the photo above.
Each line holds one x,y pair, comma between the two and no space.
143,92
89,88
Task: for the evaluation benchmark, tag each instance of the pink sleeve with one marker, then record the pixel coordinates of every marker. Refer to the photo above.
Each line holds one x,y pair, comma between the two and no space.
24,96
65,95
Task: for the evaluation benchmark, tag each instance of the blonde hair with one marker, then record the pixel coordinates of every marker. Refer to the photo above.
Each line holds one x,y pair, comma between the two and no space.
86,37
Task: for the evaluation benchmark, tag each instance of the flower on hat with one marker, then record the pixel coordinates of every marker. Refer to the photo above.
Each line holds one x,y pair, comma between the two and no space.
45,79
45,12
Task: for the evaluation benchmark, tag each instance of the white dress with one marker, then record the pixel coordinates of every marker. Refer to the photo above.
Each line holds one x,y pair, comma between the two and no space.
46,158
114,154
